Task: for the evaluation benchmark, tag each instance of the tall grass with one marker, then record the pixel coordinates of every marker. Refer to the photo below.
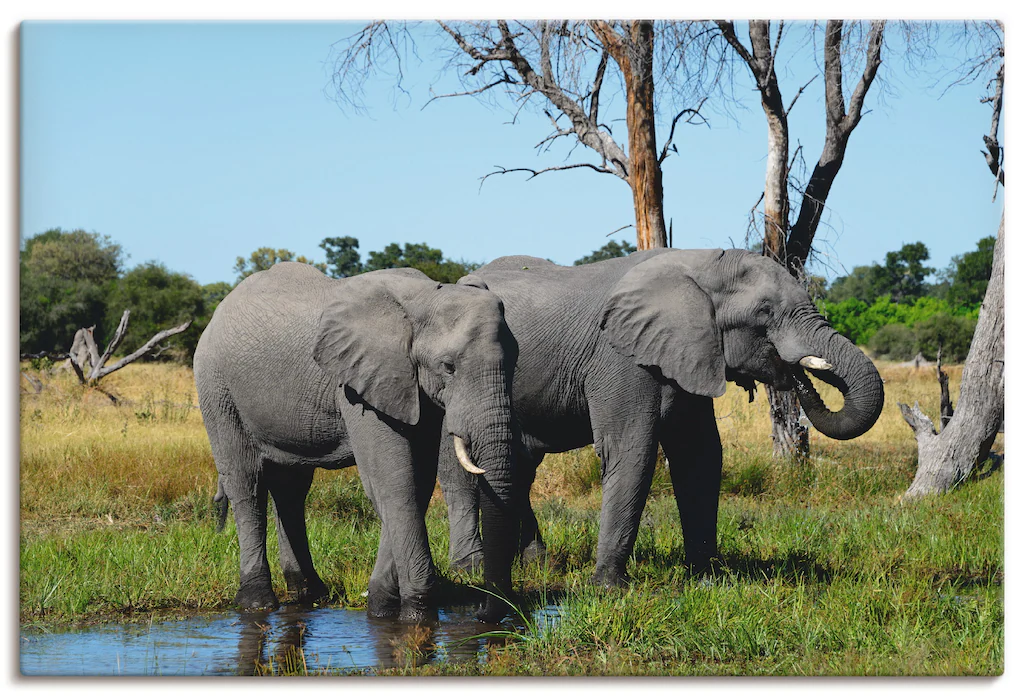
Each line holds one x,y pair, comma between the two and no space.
822,570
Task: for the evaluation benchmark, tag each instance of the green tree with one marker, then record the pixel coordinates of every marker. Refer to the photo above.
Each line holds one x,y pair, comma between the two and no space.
611,250
213,293
158,299
859,285
903,274
76,256
342,256
265,257
394,256
970,273
64,281
421,257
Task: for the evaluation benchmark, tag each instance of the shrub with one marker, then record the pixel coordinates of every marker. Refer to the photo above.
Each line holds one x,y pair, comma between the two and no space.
894,341
952,334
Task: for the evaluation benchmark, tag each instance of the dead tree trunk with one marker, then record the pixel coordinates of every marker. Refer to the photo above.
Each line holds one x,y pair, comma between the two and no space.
90,366
633,51
786,244
947,458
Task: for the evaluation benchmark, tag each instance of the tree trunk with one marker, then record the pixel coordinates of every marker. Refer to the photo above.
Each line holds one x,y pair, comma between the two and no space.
789,436
645,171
946,459
633,52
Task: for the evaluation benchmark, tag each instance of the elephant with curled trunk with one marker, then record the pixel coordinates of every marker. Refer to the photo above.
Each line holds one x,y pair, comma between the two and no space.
297,371
629,353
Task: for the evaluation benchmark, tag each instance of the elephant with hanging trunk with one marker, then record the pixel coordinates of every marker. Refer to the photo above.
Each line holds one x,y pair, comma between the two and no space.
629,353
297,371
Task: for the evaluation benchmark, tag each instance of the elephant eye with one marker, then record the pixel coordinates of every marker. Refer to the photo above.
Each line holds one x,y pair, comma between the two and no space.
448,366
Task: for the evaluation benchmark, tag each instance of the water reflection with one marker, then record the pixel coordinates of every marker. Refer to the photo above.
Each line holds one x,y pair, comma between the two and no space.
290,639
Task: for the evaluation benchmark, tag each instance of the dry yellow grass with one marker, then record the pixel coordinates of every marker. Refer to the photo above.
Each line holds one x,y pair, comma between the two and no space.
744,427
84,458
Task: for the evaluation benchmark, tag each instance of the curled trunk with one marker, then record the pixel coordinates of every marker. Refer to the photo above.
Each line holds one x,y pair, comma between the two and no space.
853,374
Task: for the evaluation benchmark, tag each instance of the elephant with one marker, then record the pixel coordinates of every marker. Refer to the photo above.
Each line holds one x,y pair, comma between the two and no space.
630,352
297,371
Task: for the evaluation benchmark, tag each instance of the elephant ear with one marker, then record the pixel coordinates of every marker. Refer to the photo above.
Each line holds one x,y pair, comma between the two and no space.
364,340
659,316
473,281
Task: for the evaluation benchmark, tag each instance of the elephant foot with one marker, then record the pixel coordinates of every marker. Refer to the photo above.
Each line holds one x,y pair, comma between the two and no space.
608,577
700,564
303,591
536,552
382,607
470,563
418,612
493,609
256,596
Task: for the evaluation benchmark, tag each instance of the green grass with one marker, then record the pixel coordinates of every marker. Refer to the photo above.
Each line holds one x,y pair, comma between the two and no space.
823,571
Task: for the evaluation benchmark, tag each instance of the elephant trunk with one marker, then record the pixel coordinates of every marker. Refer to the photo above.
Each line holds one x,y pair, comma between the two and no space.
851,372
491,448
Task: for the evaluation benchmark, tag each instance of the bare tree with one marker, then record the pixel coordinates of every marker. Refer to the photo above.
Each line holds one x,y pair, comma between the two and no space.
789,243
565,64
948,457
90,366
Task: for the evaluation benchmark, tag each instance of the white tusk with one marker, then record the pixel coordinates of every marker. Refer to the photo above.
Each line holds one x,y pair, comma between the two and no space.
463,455
815,363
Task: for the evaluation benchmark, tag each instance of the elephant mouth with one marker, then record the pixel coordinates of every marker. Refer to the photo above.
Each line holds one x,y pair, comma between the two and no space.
773,371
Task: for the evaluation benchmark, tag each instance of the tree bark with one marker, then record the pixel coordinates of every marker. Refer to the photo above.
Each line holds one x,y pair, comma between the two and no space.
947,458
634,54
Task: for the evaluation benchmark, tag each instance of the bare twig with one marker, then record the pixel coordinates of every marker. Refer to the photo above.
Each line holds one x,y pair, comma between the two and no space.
798,93
619,230
537,172
693,113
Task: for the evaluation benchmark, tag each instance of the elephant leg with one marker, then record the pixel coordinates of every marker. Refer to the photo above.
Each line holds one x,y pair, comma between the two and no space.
462,496
628,449
248,496
386,468
531,544
289,487
692,445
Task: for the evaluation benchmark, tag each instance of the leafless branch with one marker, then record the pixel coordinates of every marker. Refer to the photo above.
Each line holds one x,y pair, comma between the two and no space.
112,346
798,93
595,92
163,335
503,81
693,113
624,227
537,172
993,152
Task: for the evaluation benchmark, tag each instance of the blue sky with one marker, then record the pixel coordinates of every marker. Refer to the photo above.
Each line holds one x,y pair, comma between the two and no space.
195,143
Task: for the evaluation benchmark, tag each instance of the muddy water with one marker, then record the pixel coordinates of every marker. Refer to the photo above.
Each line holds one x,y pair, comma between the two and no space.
247,643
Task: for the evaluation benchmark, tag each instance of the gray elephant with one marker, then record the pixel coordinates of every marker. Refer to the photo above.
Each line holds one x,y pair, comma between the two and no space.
297,371
630,352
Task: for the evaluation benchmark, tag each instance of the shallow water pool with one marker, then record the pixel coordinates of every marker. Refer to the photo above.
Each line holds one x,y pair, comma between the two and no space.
237,643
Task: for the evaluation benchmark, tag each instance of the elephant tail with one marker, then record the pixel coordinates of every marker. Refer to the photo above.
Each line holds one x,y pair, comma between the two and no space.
221,499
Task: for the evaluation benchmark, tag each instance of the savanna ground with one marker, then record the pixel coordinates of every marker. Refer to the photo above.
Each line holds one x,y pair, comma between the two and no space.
823,572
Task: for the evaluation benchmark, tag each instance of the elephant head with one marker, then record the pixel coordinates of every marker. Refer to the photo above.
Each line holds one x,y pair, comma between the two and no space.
704,316
396,338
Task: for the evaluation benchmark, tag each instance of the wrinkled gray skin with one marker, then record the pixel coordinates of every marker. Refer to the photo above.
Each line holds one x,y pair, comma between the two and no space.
629,352
297,371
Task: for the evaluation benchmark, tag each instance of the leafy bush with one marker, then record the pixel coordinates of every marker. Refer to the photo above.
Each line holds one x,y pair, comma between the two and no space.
859,321
894,341
952,334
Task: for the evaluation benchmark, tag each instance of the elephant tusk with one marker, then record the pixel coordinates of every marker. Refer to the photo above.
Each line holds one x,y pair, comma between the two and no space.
463,455
815,363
